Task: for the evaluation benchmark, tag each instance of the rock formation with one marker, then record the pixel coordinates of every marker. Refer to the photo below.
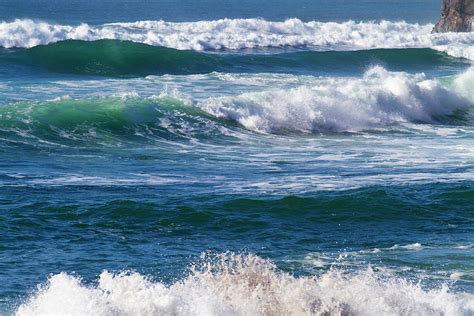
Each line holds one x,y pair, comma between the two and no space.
456,16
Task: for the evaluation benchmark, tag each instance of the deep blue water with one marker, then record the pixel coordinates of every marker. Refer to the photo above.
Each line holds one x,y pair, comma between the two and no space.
320,165
105,11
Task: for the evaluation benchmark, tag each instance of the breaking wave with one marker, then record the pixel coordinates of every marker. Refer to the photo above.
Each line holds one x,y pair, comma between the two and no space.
379,100
231,284
237,34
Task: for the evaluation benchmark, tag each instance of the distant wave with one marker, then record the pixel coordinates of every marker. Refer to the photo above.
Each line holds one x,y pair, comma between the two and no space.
380,99
237,34
124,58
232,284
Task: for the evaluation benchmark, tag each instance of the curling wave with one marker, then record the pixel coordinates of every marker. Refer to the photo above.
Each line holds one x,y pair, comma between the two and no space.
104,121
231,284
379,100
125,58
237,34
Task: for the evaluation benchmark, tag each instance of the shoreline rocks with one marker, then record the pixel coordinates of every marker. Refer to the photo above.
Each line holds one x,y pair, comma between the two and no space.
456,16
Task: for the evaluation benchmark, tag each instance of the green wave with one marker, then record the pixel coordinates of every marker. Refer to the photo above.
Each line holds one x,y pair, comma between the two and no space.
105,121
124,58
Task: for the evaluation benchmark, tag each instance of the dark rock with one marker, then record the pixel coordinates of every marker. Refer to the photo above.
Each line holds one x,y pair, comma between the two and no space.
456,16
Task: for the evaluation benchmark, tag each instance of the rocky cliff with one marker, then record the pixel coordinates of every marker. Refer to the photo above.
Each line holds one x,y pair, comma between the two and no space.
456,16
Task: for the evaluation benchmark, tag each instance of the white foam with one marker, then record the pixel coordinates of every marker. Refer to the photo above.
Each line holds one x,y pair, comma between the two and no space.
415,246
245,34
456,275
464,247
244,285
379,99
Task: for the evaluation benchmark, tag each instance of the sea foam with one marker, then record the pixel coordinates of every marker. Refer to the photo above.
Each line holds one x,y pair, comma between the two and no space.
236,34
379,99
231,284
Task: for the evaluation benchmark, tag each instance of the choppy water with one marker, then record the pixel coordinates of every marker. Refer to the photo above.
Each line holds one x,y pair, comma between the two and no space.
211,159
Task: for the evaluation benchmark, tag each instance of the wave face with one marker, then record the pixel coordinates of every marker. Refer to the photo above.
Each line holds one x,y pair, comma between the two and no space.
114,58
238,34
379,100
106,121
232,284
124,58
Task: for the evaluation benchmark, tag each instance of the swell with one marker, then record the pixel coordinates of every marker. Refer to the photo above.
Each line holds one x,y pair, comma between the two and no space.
125,58
234,214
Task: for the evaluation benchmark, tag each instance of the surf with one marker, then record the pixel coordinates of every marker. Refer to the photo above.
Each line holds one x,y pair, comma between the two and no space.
239,34
236,284
380,100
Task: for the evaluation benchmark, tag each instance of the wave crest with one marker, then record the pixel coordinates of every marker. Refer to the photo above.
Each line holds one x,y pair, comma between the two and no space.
236,284
380,99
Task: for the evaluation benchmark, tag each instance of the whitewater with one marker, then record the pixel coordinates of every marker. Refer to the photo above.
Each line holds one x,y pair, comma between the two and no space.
239,34
236,284
380,99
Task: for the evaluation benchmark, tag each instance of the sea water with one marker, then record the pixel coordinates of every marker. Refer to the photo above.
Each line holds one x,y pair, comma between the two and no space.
235,158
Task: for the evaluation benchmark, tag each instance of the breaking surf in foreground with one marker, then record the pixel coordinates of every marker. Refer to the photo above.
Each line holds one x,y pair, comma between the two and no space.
235,284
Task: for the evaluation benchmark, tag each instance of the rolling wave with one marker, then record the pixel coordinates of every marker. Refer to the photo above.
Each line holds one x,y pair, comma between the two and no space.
233,284
109,121
379,100
238,34
124,58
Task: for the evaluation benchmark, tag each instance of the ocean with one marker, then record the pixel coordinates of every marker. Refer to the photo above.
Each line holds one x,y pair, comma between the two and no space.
235,158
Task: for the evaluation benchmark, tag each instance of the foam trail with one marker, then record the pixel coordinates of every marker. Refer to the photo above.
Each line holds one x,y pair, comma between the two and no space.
379,99
238,34
232,284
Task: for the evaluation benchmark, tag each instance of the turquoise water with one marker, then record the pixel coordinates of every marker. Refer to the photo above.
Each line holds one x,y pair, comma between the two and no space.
307,158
